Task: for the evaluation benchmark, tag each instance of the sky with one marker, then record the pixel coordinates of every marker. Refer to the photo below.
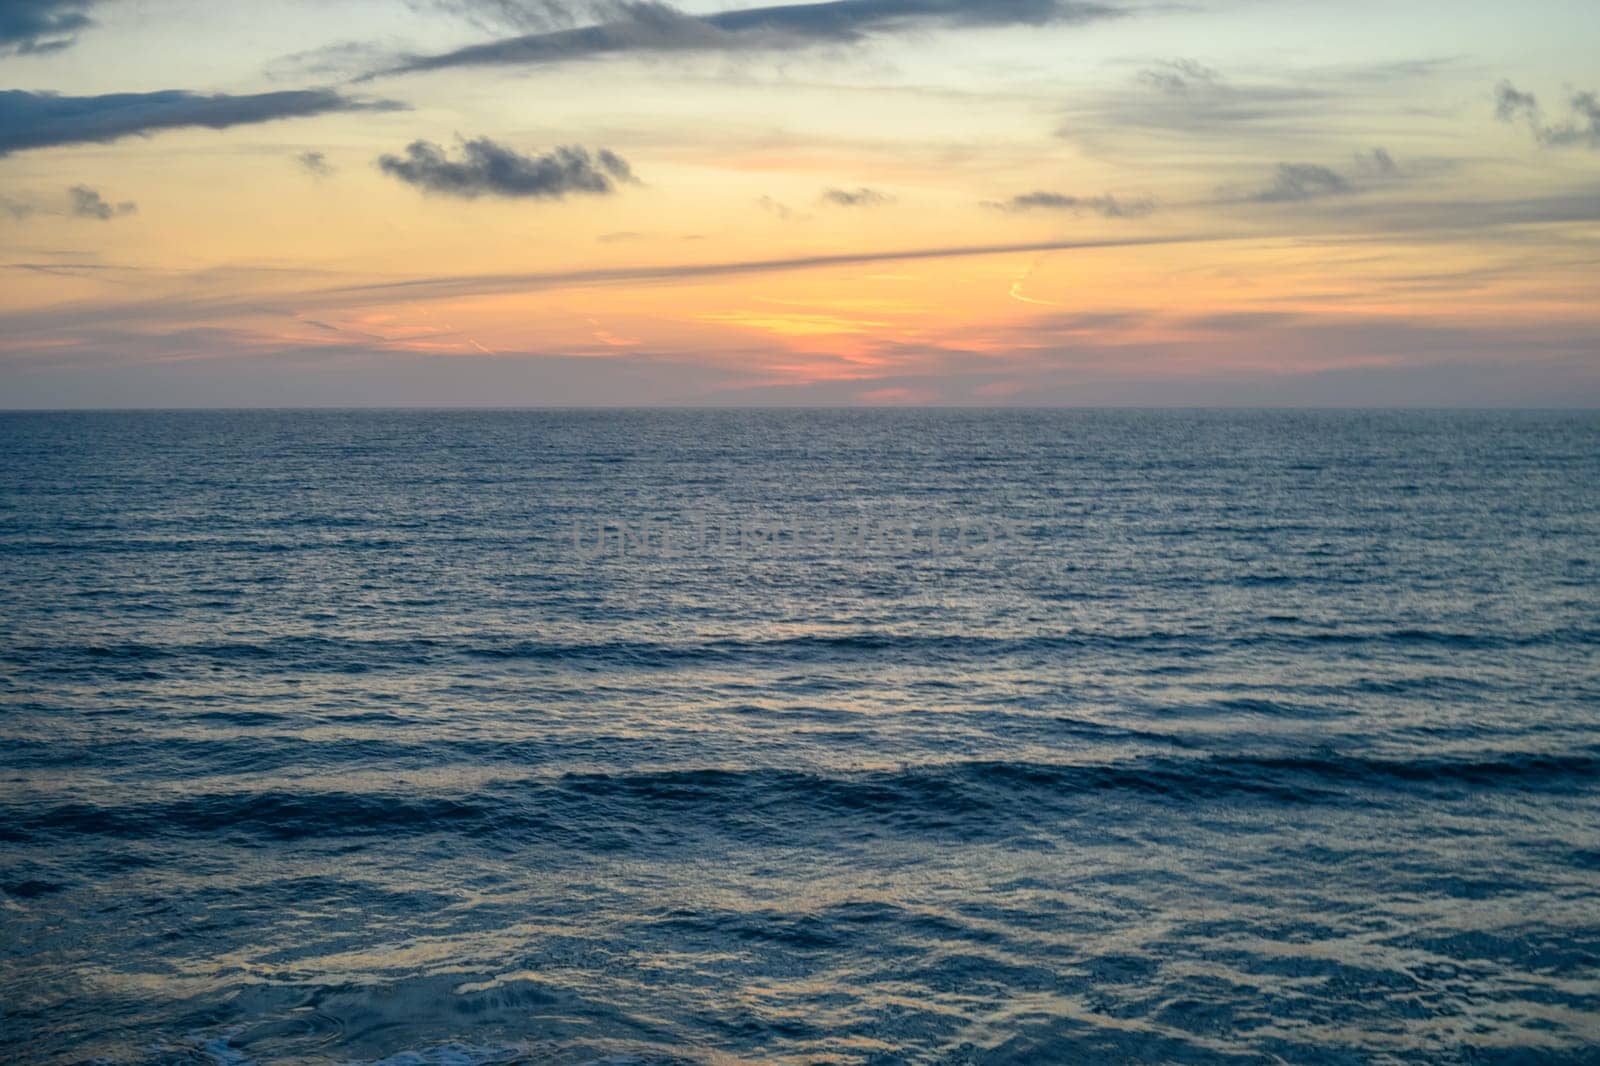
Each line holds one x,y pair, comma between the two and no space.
846,202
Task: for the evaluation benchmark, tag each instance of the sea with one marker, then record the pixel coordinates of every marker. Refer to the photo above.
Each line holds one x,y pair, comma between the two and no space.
809,736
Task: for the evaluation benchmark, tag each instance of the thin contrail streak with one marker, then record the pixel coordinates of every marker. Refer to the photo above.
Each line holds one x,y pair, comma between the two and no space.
499,283
84,315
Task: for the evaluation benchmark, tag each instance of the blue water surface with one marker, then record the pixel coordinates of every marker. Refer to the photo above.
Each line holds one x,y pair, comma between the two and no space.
1257,737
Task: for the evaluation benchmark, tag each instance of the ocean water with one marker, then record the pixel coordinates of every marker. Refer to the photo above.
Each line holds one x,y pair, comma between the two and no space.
1224,737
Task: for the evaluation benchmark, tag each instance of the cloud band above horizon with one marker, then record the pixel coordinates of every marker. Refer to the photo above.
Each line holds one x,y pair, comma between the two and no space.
652,27
30,120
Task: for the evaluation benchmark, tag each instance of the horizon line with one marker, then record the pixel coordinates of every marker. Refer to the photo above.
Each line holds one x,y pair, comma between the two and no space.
996,408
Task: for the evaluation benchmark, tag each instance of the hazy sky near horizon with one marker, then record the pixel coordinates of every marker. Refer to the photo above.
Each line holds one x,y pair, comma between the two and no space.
515,202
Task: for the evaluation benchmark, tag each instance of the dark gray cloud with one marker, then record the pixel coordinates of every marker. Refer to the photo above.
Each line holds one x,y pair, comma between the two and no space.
28,26
315,163
43,120
1511,104
82,201
1585,126
1105,206
88,203
1301,181
652,27
486,168
525,15
1580,126
855,197
1297,183
1379,162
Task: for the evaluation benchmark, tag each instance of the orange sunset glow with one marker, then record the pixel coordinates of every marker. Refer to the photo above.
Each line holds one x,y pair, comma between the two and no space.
1102,204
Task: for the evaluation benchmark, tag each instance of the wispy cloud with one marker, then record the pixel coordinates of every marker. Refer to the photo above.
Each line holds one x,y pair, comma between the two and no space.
1378,161
652,27
1289,183
82,201
88,203
1510,103
1301,181
1436,218
30,26
485,284
487,168
335,62
862,197
1293,183
1187,99
1107,206
1580,126
1234,360
315,163
31,120
510,14
1180,77
192,307
779,208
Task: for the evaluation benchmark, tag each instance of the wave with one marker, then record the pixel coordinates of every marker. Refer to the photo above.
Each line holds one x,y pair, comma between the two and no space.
358,654
610,811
